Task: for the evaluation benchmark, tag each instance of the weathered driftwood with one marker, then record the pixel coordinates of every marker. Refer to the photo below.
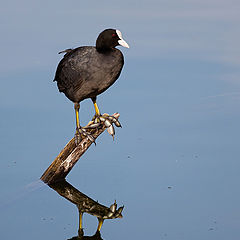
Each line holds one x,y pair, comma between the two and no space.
69,156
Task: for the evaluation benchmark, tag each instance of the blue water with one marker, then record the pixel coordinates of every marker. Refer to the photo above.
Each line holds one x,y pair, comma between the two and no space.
174,164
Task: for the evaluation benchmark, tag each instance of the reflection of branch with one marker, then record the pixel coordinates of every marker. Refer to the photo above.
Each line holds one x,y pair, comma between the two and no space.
86,205
82,201
68,157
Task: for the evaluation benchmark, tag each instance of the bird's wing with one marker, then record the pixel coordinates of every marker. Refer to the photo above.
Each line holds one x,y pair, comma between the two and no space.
68,74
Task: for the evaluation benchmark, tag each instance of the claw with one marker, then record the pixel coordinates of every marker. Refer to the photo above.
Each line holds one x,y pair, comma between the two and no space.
85,205
92,126
107,120
111,131
77,137
115,121
91,138
107,123
110,214
83,131
96,120
113,207
93,207
118,212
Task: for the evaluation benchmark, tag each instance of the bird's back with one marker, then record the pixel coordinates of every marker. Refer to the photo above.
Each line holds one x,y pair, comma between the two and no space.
84,72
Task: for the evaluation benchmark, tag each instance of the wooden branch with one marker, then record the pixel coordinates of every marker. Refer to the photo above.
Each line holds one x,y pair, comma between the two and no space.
69,156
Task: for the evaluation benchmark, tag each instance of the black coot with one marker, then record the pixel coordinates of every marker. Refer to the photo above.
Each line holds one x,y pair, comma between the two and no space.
86,72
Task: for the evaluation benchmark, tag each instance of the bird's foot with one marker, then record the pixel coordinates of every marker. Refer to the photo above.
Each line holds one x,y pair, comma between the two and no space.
82,132
114,212
104,117
108,121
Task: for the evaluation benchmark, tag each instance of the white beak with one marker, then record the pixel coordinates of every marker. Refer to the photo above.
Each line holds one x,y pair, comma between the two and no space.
121,41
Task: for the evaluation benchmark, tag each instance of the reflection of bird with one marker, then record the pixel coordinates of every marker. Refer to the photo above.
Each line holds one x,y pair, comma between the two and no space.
86,72
96,236
87,205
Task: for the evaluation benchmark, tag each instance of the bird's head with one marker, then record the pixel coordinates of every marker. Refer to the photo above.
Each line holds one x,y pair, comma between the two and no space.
109,39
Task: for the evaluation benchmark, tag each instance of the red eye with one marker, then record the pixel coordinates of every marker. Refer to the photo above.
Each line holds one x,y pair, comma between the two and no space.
114,35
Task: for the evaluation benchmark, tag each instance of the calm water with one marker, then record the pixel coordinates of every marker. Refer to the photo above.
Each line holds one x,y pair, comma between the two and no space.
175,163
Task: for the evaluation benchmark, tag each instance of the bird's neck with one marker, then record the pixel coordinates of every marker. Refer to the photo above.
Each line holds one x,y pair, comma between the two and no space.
102,47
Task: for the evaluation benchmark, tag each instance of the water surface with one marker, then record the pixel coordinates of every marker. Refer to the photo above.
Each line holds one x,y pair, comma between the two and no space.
174,164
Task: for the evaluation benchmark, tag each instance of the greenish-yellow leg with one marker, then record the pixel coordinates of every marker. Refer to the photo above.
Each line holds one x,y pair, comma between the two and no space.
79,130
100,223
77,134
80,230
97,112
76,107
80,220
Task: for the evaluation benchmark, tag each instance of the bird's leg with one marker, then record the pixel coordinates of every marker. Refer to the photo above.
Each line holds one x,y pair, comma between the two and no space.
80,230
77,107
97,112
79,130
100,223
80,220
77,134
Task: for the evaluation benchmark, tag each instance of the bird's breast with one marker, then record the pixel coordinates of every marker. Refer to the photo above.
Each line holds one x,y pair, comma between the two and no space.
100,71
